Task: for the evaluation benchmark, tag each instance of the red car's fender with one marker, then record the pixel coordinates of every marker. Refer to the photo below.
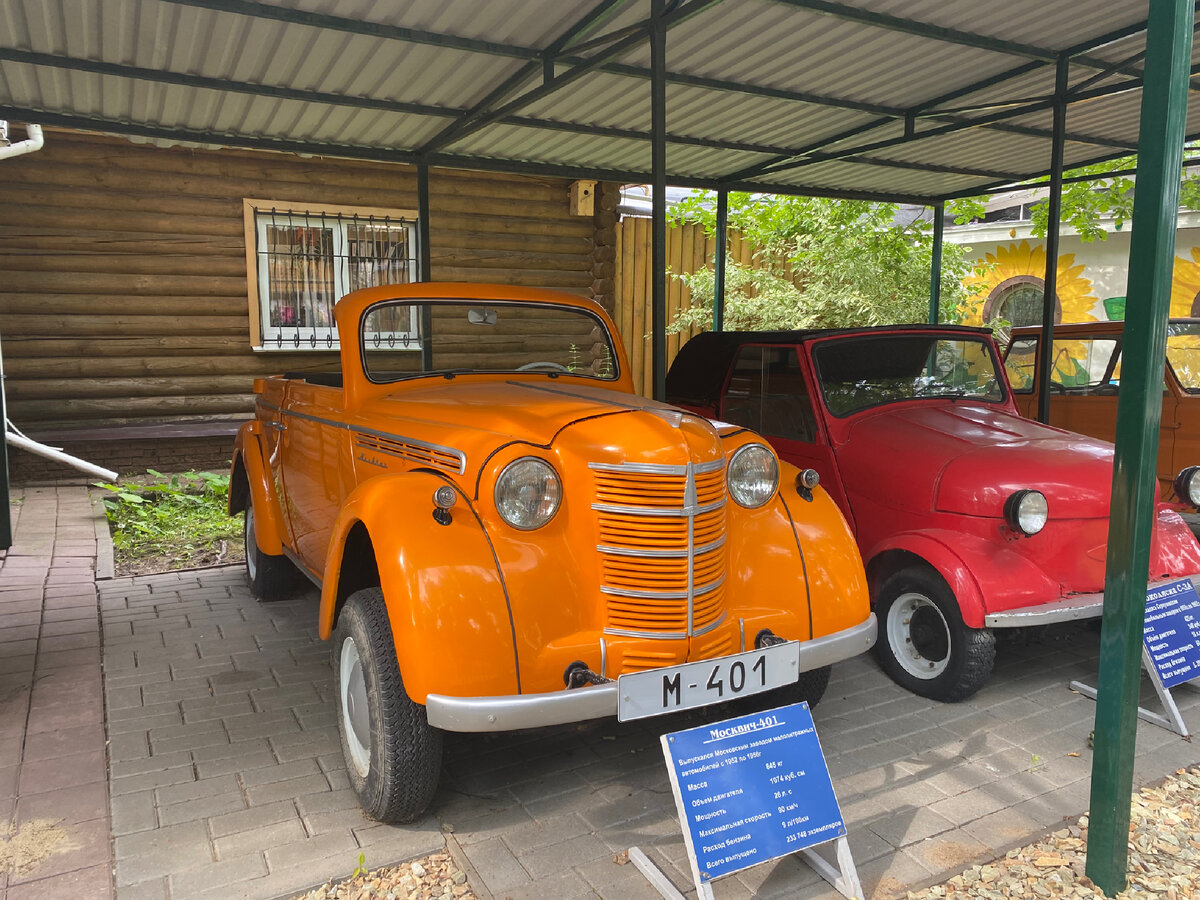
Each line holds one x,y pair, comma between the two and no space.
984,576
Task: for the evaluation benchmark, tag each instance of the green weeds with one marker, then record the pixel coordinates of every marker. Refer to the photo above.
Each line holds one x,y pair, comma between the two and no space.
181,517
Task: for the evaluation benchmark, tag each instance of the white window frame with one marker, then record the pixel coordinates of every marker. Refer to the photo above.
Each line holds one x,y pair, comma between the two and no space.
258,215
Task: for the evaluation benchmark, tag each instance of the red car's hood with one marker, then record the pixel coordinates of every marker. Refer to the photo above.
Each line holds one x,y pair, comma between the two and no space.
969,458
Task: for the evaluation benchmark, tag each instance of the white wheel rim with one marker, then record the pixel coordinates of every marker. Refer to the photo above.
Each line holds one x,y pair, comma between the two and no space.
918,636
251,544
356,722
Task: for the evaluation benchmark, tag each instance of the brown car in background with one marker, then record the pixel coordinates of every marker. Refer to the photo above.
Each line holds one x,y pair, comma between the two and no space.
1085,382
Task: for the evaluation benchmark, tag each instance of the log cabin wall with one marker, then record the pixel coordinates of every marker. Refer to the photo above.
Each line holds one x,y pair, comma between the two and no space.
123,289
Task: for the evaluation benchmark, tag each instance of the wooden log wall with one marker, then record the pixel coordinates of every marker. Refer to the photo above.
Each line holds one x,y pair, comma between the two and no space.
123,292
688,250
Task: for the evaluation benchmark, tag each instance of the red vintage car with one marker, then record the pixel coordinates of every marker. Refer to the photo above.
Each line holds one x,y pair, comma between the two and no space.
969,517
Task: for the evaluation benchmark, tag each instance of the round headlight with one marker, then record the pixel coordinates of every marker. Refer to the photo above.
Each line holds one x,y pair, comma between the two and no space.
1187,485
528,493
753,475
1026,512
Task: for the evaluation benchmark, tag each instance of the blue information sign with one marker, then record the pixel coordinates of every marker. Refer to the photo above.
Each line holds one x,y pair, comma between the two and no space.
752,789
1172,631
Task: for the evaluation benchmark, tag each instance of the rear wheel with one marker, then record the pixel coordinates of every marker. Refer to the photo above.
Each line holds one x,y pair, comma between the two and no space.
270,577
393,756
925,645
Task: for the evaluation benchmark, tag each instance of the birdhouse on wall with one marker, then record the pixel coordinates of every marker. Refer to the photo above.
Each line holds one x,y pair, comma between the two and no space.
582,198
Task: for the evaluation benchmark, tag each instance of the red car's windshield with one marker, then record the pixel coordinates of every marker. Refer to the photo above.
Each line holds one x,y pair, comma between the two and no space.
860,372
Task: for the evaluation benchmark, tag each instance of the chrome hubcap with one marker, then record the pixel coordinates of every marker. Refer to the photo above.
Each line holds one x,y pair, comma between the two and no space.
919,636
251,544
356,722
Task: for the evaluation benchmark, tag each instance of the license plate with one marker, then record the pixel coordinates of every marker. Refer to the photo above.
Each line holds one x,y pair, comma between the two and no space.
667,690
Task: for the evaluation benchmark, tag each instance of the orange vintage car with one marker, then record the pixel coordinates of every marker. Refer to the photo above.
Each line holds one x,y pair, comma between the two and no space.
506,536
1085,381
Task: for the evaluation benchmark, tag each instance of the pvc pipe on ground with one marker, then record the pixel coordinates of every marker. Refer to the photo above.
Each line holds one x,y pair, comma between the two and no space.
19,440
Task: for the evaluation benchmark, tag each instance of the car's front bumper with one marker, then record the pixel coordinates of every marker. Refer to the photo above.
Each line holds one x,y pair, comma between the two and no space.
514,711
1068,609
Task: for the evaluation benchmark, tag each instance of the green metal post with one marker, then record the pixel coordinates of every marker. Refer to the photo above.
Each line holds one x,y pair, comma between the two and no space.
424,265
1152,247
935,268
1053,220
658,221
719,259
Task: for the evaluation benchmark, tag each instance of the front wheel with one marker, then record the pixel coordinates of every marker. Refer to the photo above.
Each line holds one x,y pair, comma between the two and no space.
393,756
270,577
924,645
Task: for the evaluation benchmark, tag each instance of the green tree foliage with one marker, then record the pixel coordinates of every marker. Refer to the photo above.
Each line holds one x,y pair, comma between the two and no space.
1087,206
821,263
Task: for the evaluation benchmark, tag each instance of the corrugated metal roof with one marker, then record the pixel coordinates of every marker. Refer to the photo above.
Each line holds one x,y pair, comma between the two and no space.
855,97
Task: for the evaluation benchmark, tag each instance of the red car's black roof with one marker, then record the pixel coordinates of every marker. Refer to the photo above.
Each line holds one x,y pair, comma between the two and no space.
698,372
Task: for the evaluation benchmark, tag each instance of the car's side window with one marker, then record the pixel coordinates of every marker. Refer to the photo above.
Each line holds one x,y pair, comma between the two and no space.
1019,362
1088,365
768,394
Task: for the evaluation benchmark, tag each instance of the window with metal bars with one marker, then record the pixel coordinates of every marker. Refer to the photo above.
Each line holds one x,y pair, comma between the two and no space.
305,260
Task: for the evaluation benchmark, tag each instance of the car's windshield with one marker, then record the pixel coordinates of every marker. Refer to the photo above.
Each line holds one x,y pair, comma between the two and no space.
452,337
1183,353
861,371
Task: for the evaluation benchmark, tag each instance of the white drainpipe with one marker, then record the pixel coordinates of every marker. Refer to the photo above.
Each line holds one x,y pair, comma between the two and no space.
11,435
29,145
19,440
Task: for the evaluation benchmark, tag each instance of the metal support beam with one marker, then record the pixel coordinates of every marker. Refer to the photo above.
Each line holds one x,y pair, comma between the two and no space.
722,241
935,265
1053,220
1134,486
658,168
424,272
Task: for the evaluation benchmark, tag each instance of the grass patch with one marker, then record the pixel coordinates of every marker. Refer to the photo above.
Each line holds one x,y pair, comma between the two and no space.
164,522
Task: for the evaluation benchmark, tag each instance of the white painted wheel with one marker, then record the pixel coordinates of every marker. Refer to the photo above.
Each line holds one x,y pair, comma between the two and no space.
356,720
919,636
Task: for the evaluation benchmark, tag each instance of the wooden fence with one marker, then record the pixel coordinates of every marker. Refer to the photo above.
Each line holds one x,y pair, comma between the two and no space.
688,250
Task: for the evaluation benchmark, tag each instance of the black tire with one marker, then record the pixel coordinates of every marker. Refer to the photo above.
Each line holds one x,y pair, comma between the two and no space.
810,687
271,577
923,644
393,756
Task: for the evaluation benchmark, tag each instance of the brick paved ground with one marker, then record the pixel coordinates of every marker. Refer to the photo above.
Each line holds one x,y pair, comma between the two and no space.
52,757
227,775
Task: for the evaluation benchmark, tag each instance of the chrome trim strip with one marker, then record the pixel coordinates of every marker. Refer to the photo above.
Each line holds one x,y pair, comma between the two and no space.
664,595
711,626
1067,609
715,465
658,510
690,502
358,429
514,711
603,658
648,635
742,634
659,554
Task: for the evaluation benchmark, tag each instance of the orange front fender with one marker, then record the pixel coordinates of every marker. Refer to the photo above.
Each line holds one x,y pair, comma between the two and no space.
446,599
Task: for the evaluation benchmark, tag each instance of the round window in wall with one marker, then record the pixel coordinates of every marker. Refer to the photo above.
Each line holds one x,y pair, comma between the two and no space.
1016,300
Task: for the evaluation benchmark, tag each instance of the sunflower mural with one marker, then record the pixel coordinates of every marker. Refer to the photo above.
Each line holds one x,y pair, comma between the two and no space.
1183,343
1009,285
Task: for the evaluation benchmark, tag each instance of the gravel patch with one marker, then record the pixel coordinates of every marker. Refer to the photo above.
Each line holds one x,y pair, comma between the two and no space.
1164,855
434,877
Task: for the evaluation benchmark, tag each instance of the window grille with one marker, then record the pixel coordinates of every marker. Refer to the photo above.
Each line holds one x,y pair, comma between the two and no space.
307,261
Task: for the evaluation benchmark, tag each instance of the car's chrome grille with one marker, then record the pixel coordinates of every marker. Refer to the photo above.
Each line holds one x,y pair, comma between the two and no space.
662,547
